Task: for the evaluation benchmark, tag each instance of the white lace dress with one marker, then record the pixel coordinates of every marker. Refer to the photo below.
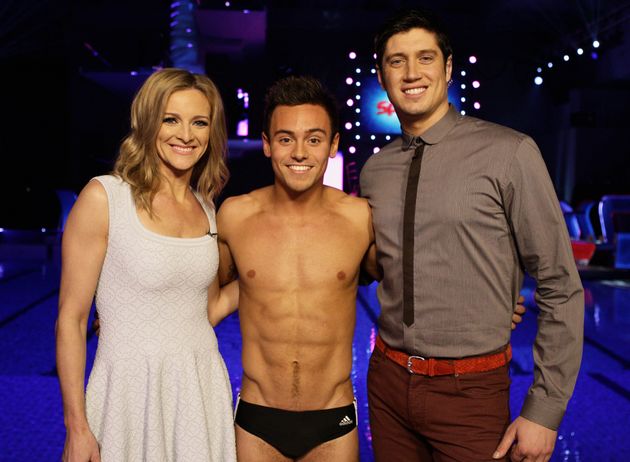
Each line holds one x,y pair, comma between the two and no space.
159,389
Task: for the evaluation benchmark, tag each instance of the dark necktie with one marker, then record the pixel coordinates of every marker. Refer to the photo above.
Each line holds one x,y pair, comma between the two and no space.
408,235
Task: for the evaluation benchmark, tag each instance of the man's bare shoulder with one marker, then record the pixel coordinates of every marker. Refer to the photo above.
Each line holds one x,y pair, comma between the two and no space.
343,201
243,205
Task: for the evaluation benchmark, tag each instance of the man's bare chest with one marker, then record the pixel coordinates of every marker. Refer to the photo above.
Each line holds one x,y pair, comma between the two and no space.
312,254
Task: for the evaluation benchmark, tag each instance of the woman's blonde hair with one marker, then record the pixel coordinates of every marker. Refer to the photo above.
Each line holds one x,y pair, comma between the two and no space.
137,162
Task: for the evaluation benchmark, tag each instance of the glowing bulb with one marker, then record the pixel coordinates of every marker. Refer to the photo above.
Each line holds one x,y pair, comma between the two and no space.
352,149
352,55
350,102
349,80
538,80
348,126
476,84
472,59
595,43
580,51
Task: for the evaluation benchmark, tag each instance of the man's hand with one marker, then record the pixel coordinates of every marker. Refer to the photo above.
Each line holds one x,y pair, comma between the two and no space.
96,323
532,442
519,311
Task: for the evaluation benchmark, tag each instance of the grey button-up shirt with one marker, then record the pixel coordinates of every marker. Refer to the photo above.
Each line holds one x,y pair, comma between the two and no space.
486,212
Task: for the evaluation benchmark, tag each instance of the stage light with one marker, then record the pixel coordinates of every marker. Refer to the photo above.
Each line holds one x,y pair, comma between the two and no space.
476,84
580,51
134,72
352,149
539,69
357,97
358,70
375,150
549,64
472,59
357,110
565,57
348,126
43,230
358,84
463,99
188,30
372,137
350,102
595,43
387,137
242,128
357,137
352,55
373,71
189,45
349,80
476,105
462,112
1,230
538,80
462,73
246,11
374,55
463,86
357,123
227,3
594,55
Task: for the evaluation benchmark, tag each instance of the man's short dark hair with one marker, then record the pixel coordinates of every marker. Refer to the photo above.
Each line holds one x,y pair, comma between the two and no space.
404,21
294,91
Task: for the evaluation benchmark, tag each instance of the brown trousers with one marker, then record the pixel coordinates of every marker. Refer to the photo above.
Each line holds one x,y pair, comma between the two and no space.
436,419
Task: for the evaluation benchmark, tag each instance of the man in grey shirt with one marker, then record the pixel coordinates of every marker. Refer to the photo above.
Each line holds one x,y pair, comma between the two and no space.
461,209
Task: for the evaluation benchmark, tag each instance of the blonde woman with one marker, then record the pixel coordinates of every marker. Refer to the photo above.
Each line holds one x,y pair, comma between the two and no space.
143,240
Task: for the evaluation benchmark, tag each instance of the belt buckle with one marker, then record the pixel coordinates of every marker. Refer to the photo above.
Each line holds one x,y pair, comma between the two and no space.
410,362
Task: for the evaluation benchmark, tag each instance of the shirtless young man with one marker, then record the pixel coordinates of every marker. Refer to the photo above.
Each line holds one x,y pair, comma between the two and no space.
297,247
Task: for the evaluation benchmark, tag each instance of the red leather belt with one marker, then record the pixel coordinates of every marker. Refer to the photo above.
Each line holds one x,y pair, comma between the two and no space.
433,366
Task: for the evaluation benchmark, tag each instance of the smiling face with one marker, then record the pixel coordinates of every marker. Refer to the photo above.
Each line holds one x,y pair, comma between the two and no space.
184,131
299,145
415,75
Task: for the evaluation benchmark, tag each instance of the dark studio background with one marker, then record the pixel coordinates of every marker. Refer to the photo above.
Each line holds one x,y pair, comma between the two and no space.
65,109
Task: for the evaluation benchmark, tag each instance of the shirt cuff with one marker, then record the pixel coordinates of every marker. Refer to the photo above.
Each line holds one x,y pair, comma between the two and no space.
543,412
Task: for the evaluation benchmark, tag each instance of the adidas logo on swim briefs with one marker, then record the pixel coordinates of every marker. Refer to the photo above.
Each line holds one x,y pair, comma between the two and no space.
346,421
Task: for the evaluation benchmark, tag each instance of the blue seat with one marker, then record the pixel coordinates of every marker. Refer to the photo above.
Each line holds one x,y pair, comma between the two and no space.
583,214
571,220
608,206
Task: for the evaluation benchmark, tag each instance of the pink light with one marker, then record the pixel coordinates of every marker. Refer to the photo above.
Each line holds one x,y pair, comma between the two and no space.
352,149
476,105
242,129
333,176
350,102
352,55
375,150
472,59
476,84
349,80
348,126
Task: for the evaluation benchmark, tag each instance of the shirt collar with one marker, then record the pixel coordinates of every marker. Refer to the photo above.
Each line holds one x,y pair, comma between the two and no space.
435,133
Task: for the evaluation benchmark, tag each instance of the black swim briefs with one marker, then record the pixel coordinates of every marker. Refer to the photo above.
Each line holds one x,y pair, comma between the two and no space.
294,433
